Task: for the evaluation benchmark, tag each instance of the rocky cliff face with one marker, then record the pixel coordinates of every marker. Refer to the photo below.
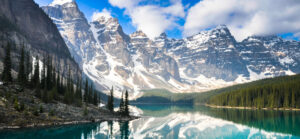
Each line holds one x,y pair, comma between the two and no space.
74,28
33,28
208,60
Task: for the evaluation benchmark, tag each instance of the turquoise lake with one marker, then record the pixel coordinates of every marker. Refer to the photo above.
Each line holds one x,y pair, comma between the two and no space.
175,122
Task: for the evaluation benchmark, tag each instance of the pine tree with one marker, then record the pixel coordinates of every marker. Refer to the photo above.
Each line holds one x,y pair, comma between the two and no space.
69,80
126,104
58,82
49,73
86,90
90,94
78,89
53,77
293,101
6,74
55,87
110,101
21,74
35,81
286,99
121,107
95,99
43,74
28,65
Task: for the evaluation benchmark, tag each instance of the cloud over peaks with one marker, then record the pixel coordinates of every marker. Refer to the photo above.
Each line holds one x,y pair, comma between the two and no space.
245,17
151,19
104,13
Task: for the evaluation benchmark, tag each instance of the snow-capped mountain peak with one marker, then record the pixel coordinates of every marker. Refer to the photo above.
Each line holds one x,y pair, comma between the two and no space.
103,19
208,60
138,34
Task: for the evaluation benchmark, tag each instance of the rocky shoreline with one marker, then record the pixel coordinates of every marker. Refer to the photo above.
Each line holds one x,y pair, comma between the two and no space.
29,111
252,108
37,125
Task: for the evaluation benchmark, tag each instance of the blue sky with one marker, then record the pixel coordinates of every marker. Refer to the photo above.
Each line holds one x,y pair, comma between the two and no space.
88,7
181,18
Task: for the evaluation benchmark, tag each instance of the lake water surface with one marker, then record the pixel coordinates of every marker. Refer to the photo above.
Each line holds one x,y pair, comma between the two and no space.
165,121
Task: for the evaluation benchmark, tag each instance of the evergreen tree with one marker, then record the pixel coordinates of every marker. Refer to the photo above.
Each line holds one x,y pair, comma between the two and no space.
62,86
35,81
43,74
28,65
58,82
49,73
6,74
279,92
121,107
53,77
90,94
95,99
293,102
55,88
21,73
126,104
286,100
78,89
110,100
86,90
69,80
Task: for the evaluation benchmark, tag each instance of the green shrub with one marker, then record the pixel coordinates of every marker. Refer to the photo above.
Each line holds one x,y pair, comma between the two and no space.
16,105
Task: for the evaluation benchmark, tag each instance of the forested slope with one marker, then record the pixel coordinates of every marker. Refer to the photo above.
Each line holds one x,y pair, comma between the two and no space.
279,92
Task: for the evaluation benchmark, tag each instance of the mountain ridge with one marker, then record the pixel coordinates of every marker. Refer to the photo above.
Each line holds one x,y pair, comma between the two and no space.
208,60
32,28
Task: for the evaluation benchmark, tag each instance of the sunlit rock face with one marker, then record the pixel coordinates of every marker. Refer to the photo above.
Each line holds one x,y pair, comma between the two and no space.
74,28
208,60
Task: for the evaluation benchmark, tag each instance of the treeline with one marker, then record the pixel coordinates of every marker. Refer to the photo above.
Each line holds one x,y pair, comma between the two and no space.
279,92
162,96
46,80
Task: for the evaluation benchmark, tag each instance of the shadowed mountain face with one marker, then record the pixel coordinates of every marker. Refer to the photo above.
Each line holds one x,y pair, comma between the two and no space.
205,61
29,25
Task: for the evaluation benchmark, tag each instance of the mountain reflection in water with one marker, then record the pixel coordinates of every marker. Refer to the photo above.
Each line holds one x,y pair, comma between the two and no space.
180,122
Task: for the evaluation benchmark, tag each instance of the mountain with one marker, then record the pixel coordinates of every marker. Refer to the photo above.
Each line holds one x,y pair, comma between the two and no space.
208,60
24,22
75,27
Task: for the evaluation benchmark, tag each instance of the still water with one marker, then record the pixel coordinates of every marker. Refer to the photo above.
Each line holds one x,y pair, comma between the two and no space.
161,121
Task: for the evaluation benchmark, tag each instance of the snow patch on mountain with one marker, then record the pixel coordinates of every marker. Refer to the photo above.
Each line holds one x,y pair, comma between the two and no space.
208,60
286,60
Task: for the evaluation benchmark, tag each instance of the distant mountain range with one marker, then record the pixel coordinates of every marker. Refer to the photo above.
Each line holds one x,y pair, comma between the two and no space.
208,60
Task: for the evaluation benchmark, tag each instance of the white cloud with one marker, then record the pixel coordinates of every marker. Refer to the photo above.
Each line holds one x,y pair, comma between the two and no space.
124,3
245,17
151,19
104,13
